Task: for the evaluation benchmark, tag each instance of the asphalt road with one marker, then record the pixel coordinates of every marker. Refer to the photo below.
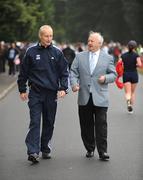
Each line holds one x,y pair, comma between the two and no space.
125,142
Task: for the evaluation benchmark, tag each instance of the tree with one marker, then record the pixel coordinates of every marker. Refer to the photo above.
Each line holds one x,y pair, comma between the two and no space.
117,20
18,19
48,9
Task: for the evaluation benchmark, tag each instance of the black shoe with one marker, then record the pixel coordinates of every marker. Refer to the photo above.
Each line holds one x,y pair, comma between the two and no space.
34,158
89,154
129,107
104,156
46,155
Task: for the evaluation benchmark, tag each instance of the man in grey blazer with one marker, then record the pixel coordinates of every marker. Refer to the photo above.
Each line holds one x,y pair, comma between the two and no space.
90,73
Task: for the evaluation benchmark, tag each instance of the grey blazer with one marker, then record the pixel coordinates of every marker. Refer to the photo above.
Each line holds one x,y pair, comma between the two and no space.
80,74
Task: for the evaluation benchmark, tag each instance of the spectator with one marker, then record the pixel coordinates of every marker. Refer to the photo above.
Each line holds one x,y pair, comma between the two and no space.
11,55
69,54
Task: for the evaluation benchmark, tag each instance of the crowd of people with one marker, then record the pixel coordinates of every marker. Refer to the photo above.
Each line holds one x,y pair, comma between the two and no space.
44,75
11,55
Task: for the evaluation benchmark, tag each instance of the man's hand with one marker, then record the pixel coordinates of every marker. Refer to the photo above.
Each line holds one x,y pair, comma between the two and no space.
102,79
61,94
75,88
24,96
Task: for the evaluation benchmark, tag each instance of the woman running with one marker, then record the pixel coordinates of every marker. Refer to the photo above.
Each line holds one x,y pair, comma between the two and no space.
131,61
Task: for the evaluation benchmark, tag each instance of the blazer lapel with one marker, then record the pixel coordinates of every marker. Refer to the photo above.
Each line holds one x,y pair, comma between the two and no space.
87,62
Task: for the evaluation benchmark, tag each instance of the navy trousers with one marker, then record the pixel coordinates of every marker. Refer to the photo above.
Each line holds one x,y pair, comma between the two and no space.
43,105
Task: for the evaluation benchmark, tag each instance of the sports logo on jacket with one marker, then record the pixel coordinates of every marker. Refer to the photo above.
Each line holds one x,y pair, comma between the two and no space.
38,57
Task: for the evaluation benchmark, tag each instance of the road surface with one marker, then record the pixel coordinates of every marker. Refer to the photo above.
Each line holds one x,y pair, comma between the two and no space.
125,142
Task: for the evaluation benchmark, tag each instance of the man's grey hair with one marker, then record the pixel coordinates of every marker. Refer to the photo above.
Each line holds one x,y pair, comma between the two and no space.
100,37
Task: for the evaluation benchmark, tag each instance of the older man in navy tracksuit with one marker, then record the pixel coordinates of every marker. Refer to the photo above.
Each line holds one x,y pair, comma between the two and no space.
46,70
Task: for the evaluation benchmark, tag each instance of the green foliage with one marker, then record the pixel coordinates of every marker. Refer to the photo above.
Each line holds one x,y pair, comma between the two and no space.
27,21
47,7
118,20
20,19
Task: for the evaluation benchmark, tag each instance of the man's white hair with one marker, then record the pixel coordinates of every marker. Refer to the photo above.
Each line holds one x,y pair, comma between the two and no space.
100,37
42,28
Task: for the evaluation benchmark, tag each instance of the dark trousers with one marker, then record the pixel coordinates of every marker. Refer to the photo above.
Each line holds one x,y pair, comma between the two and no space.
43,103
93,124
11,67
